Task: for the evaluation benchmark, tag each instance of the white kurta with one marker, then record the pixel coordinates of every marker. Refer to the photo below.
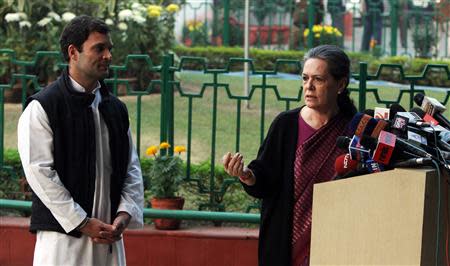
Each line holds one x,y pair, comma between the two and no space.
35,143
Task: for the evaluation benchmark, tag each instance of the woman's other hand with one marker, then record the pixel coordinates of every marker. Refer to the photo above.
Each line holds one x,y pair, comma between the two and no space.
234,166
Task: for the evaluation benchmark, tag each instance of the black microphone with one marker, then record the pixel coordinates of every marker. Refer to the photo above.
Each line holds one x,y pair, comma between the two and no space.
434,108
394,109
402,145
414,162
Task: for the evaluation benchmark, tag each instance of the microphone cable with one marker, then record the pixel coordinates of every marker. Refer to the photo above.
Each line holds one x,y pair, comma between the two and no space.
438,212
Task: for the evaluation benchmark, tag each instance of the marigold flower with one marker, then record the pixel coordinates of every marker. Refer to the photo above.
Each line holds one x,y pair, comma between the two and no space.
172,8
179,149
306,32
152,150
164,145
153,13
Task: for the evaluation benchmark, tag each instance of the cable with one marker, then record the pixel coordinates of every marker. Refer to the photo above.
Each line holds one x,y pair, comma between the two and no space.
448,220
438,212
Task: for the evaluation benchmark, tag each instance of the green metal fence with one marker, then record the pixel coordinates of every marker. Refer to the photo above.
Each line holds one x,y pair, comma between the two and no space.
216,86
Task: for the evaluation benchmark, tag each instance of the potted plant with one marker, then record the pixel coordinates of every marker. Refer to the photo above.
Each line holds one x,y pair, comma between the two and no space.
164,179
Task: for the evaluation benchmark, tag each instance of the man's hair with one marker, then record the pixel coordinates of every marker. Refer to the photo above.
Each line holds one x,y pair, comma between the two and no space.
77,32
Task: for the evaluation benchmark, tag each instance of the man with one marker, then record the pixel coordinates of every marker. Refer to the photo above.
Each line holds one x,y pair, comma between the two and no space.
76,150
373,23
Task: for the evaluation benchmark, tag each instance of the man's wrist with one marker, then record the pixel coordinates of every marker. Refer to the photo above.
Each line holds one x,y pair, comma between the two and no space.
83,223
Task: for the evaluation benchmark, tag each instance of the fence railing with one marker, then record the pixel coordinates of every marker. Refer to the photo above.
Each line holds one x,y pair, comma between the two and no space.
189,91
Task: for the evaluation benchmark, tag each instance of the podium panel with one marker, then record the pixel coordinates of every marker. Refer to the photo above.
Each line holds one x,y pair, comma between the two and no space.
387,218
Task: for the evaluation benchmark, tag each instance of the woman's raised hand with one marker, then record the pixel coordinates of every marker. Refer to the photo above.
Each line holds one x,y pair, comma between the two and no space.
234,166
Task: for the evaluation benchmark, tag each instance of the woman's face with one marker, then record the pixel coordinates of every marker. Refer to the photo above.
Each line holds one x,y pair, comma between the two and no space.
320,88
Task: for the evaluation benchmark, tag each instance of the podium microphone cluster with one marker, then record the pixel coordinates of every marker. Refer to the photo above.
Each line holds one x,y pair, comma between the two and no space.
399,140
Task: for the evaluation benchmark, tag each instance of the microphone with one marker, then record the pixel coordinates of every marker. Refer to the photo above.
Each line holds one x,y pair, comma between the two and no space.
344,164
359,123
383,150
426,117
346,167
414,162
394,109
401,145
432,107
381,113
357,151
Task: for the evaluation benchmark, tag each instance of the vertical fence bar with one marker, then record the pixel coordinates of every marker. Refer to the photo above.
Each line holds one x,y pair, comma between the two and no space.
2,125
138,124
362,86
311,11
226,23
213,143
164,102
394,27
171,105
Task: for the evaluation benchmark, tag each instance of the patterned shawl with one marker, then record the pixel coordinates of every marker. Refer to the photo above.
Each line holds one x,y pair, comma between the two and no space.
314,163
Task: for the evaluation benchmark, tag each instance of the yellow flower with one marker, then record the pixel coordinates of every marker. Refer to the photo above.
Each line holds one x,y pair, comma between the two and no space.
152,150
199,25
172,8
154,7
317,35
179,149
164,145
154,13
317,28
191,28
306,32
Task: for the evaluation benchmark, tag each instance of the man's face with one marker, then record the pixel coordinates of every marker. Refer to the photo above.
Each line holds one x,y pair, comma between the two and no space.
92,63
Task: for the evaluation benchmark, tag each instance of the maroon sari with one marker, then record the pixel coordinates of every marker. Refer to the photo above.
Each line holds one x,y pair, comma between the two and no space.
314,163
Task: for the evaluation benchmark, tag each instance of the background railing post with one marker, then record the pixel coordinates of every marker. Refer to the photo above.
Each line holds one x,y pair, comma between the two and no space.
226,23
362,86
394,26
166,132
311,11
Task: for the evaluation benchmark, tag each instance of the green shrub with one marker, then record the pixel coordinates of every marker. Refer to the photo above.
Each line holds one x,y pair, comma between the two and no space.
218,58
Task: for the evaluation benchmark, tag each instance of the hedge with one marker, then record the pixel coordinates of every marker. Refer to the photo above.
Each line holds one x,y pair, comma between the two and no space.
217,58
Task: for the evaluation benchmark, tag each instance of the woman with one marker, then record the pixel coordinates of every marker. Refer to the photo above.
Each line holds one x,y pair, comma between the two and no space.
299,151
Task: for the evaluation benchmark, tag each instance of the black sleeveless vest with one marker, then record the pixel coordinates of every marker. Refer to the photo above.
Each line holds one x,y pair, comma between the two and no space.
72,123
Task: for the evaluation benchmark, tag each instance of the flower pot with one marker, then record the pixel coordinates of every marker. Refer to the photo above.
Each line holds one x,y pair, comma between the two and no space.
167,204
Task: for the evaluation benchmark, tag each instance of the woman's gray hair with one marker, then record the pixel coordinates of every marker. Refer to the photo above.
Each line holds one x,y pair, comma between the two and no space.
339,67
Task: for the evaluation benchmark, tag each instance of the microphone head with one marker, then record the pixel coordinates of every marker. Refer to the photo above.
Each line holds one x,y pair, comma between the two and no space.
370,112
343,142
359,123
344,164
418,111
394,109
418,99
368,142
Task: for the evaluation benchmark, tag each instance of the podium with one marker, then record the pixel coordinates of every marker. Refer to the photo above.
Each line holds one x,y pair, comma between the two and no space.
387,218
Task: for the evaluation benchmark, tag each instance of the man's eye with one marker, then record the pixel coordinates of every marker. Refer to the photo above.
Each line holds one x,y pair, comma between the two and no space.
305,78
